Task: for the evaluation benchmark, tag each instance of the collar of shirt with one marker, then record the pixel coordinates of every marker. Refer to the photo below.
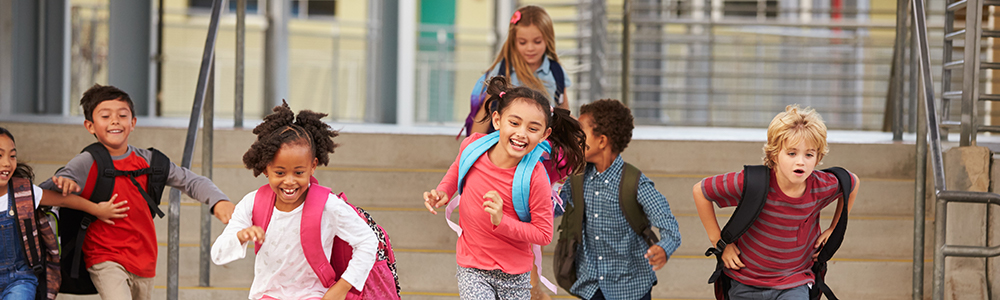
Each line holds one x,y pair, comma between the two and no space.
615,168
544,69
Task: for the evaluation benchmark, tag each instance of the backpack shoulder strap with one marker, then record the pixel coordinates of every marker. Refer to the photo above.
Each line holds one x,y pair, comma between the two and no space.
628,200
24,208
310,234
560,77
472,153
579,205
756,183
521,187
502,71
263,206
157,178
104,184
837,237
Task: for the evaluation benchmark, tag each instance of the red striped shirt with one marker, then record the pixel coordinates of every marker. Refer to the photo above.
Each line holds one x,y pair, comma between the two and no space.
777,249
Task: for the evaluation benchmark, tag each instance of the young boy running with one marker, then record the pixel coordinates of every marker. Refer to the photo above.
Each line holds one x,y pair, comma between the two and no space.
121,258
772,260
613,262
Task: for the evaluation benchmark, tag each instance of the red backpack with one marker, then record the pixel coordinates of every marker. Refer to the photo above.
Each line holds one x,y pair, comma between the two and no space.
382,282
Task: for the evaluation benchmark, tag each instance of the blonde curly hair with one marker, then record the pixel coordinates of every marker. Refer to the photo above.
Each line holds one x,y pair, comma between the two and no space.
792,126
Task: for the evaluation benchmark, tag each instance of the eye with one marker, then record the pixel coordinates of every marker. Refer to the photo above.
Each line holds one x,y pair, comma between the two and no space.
513,123
810,155
299,172
279,173
533,129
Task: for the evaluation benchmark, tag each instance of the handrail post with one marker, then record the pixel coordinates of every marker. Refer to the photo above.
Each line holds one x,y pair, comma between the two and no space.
241,29
626,50
174,207
207,143
919,205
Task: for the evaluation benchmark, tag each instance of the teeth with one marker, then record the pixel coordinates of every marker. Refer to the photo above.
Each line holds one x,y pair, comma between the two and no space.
517,143
288,191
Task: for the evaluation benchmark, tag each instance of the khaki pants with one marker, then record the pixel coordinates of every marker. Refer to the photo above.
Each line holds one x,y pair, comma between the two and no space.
113,282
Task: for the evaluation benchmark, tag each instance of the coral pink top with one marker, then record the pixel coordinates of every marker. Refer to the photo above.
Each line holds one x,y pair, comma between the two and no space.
506,247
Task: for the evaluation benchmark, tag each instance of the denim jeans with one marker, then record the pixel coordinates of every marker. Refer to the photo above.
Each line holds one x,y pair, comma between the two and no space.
17,281
739,291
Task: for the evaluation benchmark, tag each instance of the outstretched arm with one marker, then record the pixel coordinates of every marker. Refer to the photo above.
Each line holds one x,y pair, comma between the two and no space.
104,211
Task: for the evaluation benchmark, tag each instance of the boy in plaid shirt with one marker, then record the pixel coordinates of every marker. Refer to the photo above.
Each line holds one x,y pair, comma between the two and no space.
613,261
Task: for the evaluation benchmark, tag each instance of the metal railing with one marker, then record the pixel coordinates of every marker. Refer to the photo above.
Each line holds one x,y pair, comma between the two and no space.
943,195
205,81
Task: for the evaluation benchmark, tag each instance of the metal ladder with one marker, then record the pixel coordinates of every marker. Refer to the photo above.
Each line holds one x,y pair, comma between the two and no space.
971,65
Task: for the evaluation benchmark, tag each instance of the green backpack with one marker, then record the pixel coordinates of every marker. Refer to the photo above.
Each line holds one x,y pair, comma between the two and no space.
571,227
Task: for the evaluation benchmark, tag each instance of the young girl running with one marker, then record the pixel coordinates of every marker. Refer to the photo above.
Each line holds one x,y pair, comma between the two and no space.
528,58
17,280
287,151
494,252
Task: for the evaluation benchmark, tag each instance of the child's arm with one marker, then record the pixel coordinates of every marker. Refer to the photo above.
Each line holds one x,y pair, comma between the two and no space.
229,246
338,291
657,209
104,211
730,256
355,231
836,216
448,186
539,230
202,189
70,178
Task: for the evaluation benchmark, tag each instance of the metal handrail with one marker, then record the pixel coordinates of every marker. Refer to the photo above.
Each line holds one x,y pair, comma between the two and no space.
943,195
174,208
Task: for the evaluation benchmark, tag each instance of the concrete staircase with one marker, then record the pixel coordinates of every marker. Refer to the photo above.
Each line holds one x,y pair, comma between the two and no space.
386,173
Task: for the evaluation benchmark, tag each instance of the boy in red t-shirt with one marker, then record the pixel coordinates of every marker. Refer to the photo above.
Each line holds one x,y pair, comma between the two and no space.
121,258
772,259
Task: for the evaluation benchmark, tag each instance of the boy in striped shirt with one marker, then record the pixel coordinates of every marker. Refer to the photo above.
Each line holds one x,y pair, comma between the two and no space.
772,259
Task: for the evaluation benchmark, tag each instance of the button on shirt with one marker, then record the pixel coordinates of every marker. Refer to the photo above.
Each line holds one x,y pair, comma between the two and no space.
611,255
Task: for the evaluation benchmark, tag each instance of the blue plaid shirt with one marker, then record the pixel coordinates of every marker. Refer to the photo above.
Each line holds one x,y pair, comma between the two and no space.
611,255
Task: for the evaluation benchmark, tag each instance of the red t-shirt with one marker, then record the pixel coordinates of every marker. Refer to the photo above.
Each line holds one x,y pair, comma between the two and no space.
131,241
777,249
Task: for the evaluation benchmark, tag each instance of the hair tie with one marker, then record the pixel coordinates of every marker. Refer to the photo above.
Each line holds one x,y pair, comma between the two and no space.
502,93
552,111
516,17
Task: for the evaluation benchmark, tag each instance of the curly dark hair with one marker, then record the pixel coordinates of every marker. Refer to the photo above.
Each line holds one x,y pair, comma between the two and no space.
100,93
566,136
283,127
613,120
21,170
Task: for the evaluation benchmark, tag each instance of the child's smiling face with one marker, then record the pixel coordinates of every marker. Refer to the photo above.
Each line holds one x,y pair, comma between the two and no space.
796,161
522,126
113,122
8,161
288,174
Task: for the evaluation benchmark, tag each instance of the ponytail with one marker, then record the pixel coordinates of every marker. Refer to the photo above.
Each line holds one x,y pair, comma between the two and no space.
567,136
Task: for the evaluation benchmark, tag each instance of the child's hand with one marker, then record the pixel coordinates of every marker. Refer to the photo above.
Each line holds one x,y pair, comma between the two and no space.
731,257
434,199
656,256
223,210
66,185
108,210
822,241
254,233
493,206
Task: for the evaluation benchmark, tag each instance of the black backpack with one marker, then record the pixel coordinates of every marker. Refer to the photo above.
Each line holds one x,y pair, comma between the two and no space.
571,227
756,182
73,223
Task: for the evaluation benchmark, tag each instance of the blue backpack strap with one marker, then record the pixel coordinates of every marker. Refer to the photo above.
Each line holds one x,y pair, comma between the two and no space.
521,188
502,71
560,77
472,152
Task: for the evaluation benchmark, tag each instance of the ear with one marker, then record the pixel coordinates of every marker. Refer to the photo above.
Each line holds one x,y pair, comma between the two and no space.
90,126
315,163
602,142
133,122
496,120
548,131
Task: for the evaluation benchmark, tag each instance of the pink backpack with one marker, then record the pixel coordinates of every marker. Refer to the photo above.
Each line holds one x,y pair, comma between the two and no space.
382,282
